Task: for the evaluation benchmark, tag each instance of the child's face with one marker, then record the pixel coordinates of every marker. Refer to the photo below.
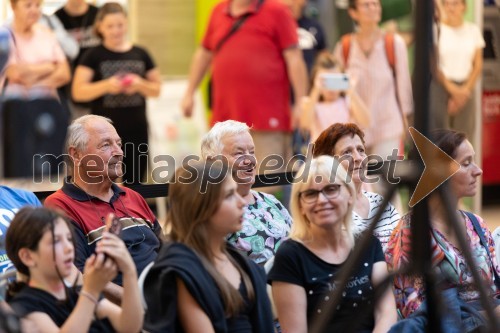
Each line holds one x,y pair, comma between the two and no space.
326,94
113,28
62,245
229,216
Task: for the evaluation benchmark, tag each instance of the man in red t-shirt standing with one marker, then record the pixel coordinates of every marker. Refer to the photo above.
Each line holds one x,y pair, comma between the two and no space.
252,70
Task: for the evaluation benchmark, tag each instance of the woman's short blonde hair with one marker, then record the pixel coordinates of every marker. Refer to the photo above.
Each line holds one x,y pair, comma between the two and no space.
326,167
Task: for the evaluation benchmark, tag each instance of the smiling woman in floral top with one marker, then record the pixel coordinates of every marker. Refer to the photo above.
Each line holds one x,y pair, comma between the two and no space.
447,258
266,221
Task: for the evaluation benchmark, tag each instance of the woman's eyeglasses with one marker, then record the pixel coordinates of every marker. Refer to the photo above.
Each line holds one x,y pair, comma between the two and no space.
329,191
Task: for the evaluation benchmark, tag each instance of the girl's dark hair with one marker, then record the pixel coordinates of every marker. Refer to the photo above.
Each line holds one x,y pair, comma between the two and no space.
106,9
445,139
195,194
326,141
25,231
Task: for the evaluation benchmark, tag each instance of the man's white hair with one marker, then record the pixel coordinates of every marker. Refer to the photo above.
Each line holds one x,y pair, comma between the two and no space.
211,143
78,135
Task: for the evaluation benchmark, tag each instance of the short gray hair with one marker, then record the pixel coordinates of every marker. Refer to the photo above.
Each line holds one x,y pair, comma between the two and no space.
211,143
78,135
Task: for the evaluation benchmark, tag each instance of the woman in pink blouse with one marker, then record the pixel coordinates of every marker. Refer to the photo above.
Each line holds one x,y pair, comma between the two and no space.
386,94
37,65
33,119
447,258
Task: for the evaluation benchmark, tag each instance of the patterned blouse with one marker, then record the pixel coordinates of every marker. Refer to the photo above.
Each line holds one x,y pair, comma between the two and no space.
388,220
266,224
448,261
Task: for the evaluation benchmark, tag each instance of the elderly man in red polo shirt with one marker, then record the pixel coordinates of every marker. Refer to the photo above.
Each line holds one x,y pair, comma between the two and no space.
89,194
252,49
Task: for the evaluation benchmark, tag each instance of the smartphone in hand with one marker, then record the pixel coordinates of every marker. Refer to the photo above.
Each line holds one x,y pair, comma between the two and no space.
335,81
113,225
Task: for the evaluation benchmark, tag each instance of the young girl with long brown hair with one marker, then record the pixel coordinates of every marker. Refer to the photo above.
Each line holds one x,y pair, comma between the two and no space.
198,283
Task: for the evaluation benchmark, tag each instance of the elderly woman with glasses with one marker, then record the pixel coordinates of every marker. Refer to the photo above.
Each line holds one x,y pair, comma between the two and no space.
307,265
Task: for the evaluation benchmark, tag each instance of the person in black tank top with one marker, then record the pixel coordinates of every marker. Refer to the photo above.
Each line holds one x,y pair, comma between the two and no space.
39,243
199,281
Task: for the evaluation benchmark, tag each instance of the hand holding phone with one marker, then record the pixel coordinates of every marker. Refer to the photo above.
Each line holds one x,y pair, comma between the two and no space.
127,80
334,81
113,225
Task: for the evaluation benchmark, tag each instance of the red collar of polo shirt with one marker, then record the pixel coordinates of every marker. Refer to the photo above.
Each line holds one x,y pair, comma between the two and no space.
253,8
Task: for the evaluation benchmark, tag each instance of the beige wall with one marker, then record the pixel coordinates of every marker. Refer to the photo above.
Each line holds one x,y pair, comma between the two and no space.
167,29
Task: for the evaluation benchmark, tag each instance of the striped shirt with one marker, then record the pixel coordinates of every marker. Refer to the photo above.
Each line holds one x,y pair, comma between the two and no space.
388,221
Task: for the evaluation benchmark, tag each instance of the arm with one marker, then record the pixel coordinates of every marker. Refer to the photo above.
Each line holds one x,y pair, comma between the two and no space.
477,68
403,79
147,87
28,74
199,66
385,308
297,74
113,292
58,77
84,90
307,105
460,94
291,304
98,270
193,319
128,317
83,251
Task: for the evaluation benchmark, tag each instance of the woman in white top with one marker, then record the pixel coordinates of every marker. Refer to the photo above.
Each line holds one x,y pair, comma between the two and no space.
459,57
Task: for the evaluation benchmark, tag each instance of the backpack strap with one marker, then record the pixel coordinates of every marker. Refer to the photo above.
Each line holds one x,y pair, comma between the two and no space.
480,233
388,44
346,48
236,26
389,51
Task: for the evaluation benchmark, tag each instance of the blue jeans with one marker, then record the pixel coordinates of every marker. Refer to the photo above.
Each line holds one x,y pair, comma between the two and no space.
457,316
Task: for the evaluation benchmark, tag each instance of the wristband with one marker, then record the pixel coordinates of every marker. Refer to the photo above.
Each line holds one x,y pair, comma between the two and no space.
89,296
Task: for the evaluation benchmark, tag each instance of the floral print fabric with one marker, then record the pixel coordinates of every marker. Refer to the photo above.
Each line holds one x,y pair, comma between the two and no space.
448,261
266,224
